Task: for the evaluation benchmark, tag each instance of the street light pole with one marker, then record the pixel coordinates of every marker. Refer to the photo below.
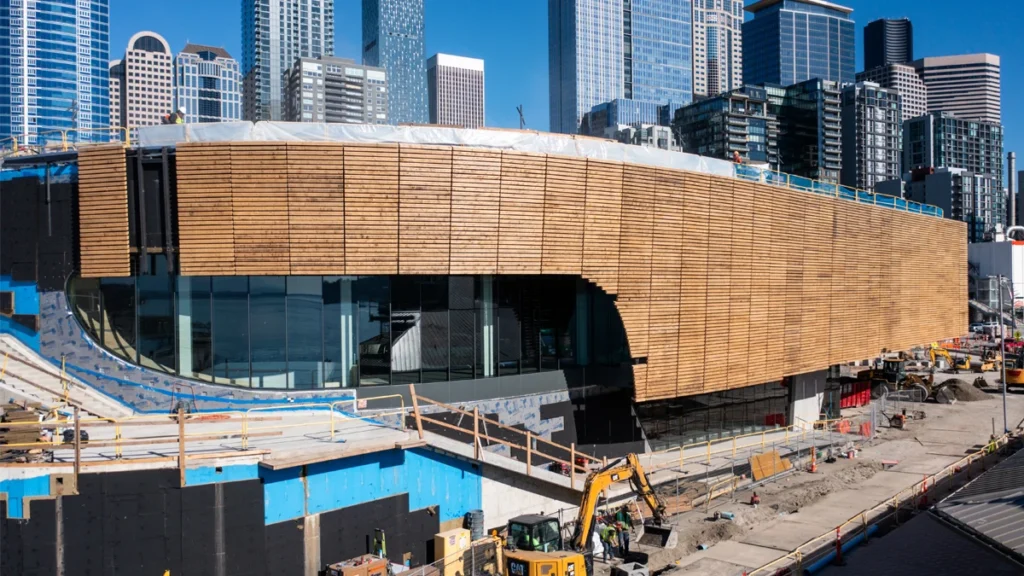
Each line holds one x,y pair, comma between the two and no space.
1002,351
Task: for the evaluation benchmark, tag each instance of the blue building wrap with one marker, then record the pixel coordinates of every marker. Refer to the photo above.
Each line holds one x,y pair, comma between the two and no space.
26,301
15,490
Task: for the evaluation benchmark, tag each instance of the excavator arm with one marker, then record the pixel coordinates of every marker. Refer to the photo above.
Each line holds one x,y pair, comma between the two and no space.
621,470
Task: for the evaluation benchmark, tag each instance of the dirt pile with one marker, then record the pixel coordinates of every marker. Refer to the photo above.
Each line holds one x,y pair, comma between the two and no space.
788,499
714,532
965,391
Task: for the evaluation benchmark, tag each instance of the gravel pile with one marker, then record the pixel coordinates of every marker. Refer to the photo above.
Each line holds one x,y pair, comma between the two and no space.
965,391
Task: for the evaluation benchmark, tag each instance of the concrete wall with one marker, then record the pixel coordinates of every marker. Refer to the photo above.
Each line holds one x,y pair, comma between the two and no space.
995,258
507,495
807,393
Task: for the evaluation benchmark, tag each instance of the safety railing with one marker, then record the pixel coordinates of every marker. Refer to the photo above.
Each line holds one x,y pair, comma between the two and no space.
793,182
888,508
531,444
61,140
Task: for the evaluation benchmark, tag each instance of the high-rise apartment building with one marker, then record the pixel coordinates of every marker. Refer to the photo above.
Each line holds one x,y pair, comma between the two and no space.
790,41
904,79
336,90
604,50
872,131
54,72
888,41
116,91
940,139
455,90
717,46
146,80
735,121
810,141
393,39
274,34
975,199
208,84
967,86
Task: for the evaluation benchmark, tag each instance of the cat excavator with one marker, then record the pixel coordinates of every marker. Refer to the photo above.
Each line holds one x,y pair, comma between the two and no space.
934,353
533,543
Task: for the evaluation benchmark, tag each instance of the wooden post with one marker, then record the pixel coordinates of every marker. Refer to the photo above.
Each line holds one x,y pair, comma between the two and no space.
78,444
572,466
416,410
529,452
181,446
476,438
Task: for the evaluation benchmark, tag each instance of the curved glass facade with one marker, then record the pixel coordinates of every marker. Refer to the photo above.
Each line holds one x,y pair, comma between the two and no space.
308,332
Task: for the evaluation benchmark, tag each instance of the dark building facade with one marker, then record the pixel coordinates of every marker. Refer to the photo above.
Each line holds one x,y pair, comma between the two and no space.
888,41
810,135
735,121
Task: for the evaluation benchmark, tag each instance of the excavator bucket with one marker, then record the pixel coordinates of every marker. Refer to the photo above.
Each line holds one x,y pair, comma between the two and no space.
659,536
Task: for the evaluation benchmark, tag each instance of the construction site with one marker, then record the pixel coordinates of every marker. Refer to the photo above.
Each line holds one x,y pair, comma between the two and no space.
256,349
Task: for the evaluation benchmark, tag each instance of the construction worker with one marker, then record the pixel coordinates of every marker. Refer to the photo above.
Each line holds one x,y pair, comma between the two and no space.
608,538
177,117
755,500
736,157
623,538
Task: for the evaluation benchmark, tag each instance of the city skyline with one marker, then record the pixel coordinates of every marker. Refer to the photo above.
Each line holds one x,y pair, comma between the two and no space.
516,50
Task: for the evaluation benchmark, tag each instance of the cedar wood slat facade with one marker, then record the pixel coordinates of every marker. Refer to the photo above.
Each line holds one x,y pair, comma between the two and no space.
720,283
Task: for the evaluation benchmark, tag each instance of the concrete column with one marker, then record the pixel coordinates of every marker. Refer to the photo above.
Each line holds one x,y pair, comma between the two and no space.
311,544
184,296
806,395
349,351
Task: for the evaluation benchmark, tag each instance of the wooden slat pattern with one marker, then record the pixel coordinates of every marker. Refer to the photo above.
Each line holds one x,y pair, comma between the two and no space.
316,207
103,212
720,283
424,209
565,197
521,213
476,193
371,209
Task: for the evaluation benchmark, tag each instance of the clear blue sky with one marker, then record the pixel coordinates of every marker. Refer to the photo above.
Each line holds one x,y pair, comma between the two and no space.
512,39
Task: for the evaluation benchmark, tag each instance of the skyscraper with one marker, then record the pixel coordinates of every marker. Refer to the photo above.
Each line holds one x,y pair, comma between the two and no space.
603,50
967,86
54,72
274,34
810,136
146,80
888,41
904,79
455,89
789,41
393,33
208,84
337,90
116,91
872,131
940,139
717,46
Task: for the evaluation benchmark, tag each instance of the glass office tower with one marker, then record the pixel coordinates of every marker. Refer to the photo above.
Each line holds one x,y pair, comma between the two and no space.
658,50
54,70
393,40
790,41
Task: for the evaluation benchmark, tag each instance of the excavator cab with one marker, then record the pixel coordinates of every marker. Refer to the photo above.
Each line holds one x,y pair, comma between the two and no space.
535,533
894,370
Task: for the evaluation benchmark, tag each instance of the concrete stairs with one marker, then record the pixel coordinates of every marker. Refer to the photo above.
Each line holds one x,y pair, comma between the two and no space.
29,377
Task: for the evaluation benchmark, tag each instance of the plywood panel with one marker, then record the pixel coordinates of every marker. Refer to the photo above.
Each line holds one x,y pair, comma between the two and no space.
521,212
103,212
316,207
371,209
564,203
425,209
206,238
476,192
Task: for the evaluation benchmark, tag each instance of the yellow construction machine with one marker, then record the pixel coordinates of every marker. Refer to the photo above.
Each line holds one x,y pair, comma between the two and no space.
935,353
534,544
990,361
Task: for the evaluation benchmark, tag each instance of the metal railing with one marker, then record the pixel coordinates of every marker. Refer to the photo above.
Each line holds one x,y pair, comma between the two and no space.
781,179
60,140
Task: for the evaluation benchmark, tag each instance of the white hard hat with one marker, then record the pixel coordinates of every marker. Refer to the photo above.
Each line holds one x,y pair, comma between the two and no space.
181,109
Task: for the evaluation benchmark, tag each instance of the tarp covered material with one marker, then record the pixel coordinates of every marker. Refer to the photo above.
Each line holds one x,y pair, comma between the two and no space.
524,141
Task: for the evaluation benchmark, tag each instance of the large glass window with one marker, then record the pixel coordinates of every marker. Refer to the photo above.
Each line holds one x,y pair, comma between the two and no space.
308,332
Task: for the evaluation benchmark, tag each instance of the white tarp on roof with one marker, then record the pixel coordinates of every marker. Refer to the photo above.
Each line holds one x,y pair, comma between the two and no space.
542,142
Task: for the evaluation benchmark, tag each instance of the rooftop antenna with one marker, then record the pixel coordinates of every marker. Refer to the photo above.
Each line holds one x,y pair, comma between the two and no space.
522,121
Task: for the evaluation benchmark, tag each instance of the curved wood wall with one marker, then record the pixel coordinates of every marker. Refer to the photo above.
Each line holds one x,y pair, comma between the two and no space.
720,283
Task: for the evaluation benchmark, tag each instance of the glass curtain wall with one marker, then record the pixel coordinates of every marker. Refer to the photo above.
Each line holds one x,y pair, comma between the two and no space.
311,332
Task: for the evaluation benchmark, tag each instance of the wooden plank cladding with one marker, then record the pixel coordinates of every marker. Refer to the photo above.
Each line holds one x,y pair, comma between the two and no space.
104,246
720,283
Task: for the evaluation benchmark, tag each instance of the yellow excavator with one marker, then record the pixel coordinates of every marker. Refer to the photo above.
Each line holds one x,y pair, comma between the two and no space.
533,543
935,353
